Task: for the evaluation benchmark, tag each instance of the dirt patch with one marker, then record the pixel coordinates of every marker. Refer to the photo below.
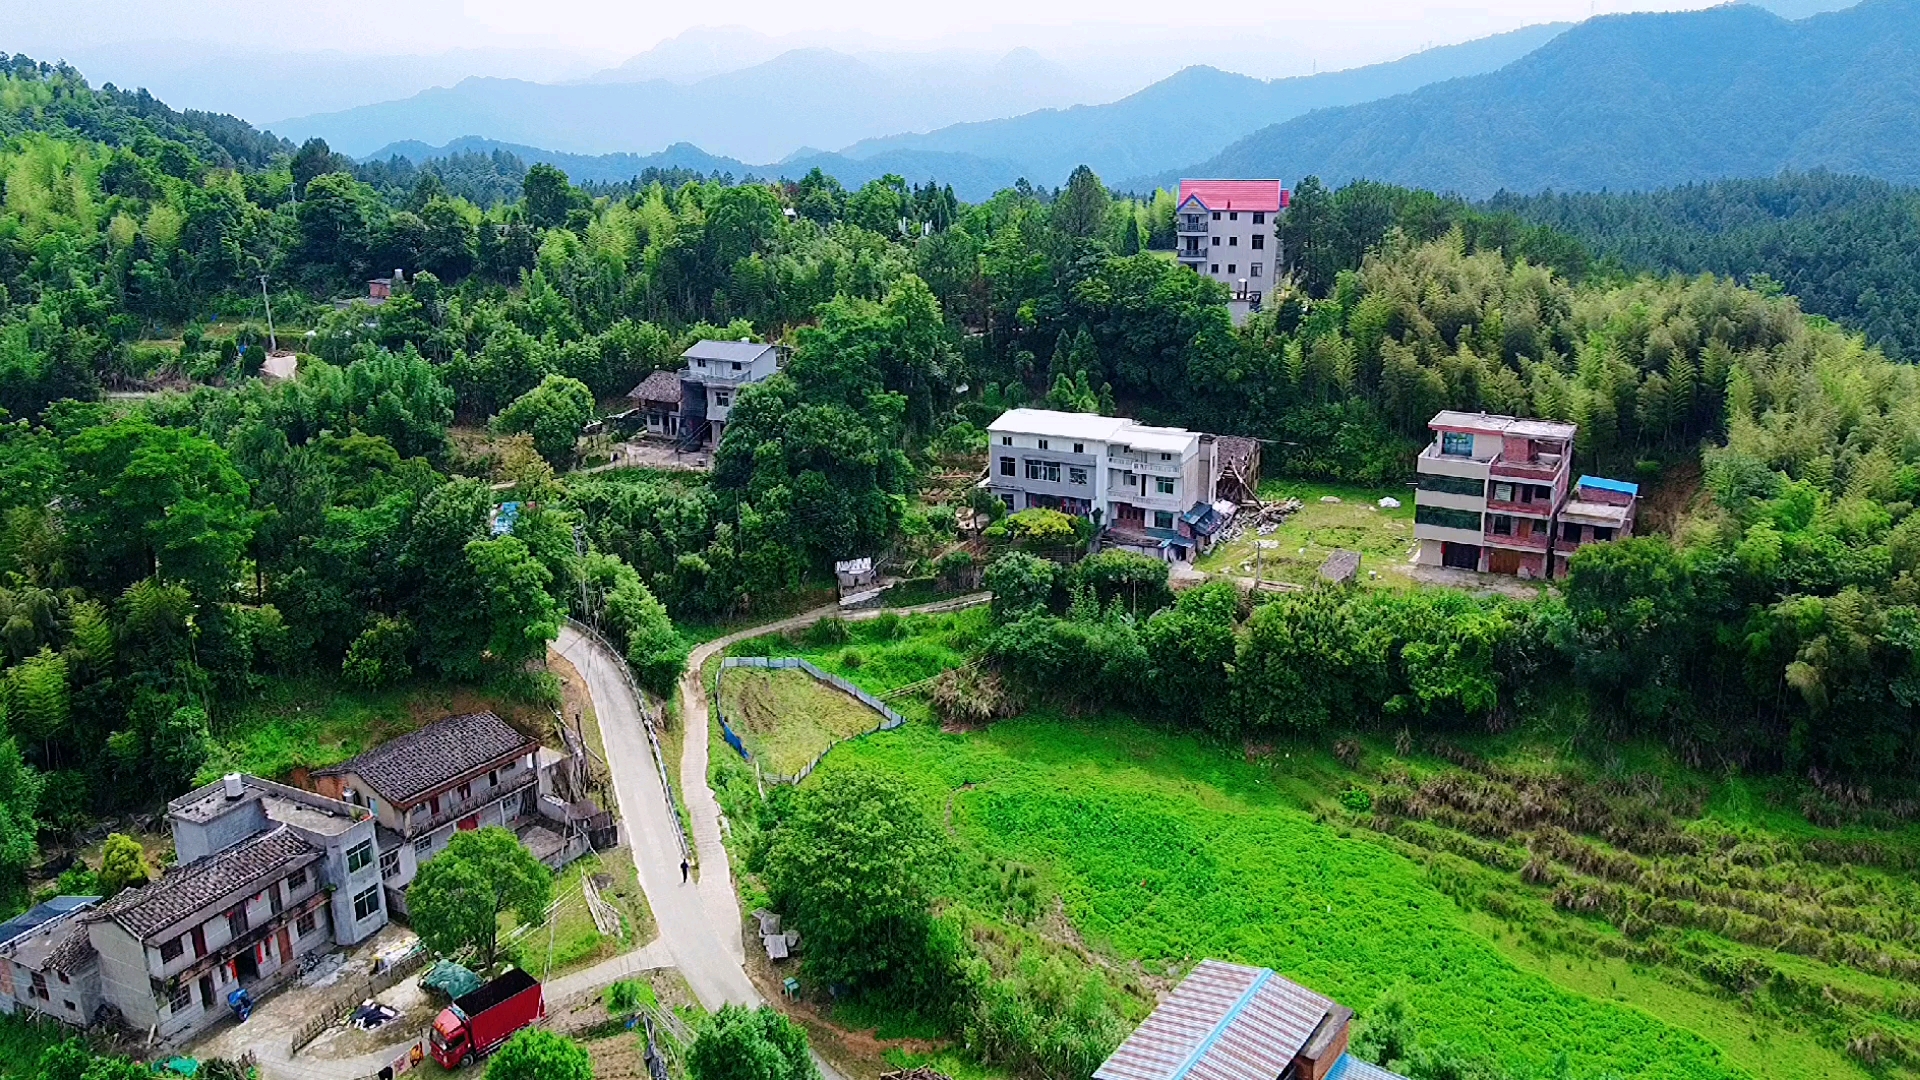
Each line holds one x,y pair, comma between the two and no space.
1669,499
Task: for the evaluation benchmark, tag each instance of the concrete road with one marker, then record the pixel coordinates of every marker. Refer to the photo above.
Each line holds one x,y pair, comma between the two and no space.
702,954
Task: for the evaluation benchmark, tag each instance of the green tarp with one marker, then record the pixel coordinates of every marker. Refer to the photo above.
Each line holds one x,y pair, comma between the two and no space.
450,979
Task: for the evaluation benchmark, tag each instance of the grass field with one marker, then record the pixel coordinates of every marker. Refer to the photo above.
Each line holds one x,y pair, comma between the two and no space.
787,718
1164,851
1382,537
575,942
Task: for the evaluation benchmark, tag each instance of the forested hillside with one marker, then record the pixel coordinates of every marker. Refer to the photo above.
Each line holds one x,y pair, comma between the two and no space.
166,557
1636,101
1848,247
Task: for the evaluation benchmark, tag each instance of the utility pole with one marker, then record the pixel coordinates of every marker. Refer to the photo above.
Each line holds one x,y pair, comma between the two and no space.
273,343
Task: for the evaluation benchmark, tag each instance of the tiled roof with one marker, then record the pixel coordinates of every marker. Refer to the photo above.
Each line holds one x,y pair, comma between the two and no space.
1223,1022
415,764
73,951
1265,195
183,890
659,386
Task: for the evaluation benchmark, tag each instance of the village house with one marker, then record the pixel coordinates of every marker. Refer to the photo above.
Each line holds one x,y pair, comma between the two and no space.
460,773
1233,1022
691,405
1229,230
266,875
1155,490
1495,495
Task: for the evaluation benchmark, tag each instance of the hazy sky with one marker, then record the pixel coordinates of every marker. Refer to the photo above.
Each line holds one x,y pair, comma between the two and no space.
617,28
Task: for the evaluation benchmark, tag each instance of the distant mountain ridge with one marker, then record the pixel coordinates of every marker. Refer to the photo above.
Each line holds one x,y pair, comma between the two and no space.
1193,113
803,97
1630,102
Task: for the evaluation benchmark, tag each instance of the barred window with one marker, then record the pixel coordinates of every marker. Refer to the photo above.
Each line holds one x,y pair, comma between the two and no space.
1447,518
1453,485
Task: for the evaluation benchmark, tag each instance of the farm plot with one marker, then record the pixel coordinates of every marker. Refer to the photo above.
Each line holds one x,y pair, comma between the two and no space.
786,717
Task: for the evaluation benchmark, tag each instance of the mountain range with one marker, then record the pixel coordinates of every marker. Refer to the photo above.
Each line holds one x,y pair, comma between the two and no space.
1630,102
803,97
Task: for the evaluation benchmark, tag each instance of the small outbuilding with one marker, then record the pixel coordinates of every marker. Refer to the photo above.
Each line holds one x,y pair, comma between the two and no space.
855,574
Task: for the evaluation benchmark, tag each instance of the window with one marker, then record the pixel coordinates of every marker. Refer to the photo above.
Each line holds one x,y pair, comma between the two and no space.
702,363
422,846
1216,215
1163,484
1006,501
1043,444
736,365
1233,241
1006,440
1044,470
1254,270
40,987
359,856
1166,457
237,921
493,778
1216,241
1233,215
181,997
1502,525
466,791
1569,531
389,864
171,949
304,924
1215,269
1079,448
1076,475
722,398
1444,517
1006,466
1233,268
1603,532
1163,519
1503,493
368,902
1456,444
433,806
1259,218
1453,485
1259,242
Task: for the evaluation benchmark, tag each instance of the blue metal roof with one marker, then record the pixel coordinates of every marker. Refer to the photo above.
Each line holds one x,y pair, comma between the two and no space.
45,913
1605,484
1352,1068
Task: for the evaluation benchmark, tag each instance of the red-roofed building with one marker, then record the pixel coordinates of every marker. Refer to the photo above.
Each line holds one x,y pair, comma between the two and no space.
1228,230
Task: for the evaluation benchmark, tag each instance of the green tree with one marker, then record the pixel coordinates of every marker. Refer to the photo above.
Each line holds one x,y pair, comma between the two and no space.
1081,211
738,1043
851,866
553,413
399,397
548,196
538,1054
1019,583
521,616
123,864
20,789
458,896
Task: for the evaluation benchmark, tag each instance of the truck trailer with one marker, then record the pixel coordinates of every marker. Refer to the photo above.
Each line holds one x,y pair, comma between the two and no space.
476,1023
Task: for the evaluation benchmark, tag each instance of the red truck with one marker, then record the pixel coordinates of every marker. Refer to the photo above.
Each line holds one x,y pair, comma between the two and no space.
476,1023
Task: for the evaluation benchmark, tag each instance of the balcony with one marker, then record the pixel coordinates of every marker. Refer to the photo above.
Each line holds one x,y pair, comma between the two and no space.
1534,541
718,372
1192,223
1542,467
452,807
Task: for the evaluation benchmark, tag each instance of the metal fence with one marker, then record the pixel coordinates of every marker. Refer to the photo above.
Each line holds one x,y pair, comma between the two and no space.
889,719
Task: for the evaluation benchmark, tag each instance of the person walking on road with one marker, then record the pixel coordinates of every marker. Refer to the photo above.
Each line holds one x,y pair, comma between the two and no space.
684,869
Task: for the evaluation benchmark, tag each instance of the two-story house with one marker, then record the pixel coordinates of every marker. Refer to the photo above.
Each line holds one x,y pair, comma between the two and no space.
1494,496
47,964
1229,230
1149,489
691,405
462,772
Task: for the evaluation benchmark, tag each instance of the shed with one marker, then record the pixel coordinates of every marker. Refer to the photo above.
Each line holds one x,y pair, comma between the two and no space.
855,574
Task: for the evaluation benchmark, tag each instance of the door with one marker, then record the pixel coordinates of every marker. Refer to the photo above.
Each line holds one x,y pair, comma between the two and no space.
286,945
470,823
206,991
1460,556
1503,562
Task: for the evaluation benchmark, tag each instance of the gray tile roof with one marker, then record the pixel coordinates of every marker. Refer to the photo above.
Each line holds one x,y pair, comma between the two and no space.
659,386
421,762
243,869
1223,1022
72,952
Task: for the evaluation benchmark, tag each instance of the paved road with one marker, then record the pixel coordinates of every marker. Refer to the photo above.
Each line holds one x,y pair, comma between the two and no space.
699,951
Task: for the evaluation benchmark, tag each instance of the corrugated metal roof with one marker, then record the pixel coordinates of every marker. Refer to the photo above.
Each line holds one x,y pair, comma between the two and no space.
1223,1022
1267,195
1352,1068
42,914
743,351
1605,484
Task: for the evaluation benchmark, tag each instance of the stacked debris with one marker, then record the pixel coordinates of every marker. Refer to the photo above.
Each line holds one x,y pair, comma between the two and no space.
1263,518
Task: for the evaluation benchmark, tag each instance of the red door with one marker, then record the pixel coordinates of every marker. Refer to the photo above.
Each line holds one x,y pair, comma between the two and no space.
286,945
470,823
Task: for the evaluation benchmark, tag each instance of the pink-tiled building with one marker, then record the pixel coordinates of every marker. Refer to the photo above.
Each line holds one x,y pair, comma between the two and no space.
1496,495
1229,230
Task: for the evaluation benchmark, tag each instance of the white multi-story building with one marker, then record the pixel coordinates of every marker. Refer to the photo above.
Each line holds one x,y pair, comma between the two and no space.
691,405
1229,230
1149,488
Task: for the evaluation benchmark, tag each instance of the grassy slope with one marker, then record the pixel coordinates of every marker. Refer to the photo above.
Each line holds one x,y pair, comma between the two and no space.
1381,536
787,717
1165,851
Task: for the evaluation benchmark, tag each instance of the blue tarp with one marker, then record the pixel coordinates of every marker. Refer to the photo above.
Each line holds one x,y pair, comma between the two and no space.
1605,484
